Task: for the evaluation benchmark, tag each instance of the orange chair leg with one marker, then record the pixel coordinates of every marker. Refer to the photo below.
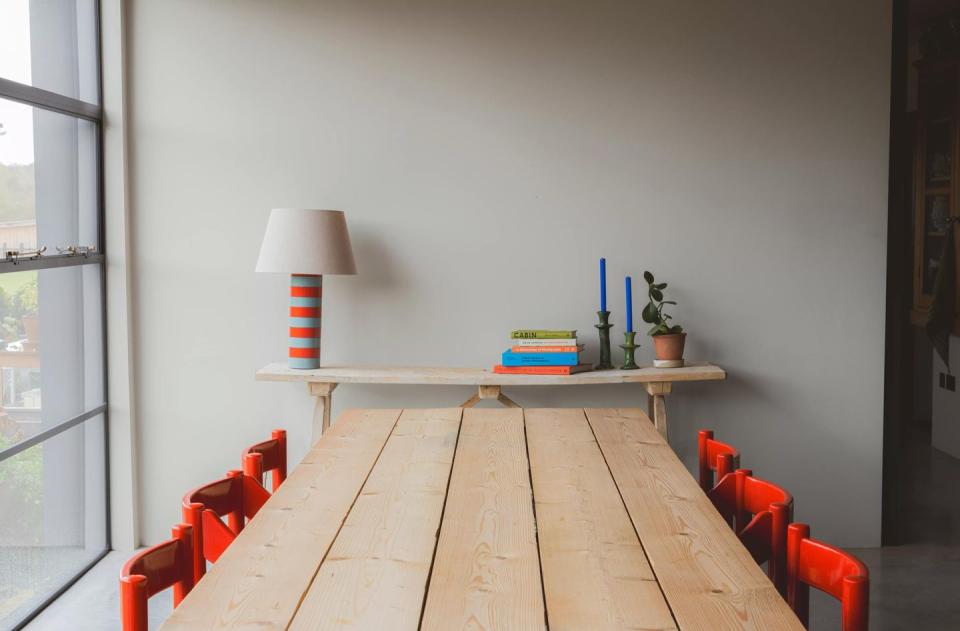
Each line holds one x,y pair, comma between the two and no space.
798,592
856,603
253,466
280,473
193,515
133,603
184,533
776,567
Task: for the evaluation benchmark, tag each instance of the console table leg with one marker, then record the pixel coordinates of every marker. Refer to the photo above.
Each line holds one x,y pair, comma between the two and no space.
472,401
321,411
489,392
657,405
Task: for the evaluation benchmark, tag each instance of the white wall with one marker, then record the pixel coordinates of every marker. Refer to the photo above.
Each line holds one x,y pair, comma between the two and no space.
487,154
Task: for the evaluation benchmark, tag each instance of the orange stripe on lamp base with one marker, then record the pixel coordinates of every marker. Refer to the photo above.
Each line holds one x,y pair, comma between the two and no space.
305,243
306,292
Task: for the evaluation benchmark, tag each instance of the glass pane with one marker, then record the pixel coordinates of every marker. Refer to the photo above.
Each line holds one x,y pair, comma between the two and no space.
48,179
52,516
51,348
51,45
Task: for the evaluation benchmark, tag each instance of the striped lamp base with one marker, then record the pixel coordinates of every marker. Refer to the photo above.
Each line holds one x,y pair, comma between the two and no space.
306,291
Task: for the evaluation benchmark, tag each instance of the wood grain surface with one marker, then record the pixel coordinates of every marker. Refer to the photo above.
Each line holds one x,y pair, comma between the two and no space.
375,575
487,519
595,574
708,577
260,579
486,574
412,375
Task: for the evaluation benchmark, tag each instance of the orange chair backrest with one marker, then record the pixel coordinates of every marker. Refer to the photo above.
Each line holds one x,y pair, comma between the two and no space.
270,456
238,497
714,456
165,565
812,563
759,512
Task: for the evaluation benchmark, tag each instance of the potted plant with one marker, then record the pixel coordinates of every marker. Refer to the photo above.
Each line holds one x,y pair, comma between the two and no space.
668,340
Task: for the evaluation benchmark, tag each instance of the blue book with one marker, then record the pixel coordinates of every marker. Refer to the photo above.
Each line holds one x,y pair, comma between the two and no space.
540,359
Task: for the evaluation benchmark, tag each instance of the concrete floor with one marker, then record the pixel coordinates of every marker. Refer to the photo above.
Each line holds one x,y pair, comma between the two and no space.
93,602
914,587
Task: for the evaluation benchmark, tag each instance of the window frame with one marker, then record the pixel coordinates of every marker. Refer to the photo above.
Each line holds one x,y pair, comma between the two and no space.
61,104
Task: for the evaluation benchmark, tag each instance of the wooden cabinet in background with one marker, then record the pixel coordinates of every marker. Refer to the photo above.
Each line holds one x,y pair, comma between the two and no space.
936,174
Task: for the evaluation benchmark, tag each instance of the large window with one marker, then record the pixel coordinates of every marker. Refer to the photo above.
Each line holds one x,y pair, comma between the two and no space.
53,478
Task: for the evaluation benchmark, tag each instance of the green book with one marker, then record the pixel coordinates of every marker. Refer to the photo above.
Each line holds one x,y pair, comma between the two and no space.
542,334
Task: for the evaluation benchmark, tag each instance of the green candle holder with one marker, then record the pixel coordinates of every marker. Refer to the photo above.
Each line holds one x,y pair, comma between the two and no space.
628,348
604,329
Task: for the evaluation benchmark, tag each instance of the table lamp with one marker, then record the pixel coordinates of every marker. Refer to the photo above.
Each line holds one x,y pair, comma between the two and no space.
306,244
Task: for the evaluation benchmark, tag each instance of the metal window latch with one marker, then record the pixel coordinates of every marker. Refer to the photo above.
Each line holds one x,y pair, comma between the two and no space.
15,256
77,250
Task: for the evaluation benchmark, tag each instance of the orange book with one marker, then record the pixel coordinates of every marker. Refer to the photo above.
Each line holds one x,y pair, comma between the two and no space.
540,370
546,349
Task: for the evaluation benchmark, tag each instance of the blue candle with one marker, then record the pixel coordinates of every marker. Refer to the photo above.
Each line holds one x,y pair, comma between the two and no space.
629,304
603,284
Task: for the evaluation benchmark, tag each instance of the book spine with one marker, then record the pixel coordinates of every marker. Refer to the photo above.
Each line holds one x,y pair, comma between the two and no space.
532,370
539,334
546,349
572,341
540,359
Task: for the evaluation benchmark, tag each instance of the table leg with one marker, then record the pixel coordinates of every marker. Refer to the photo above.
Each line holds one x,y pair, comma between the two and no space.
321,411
489,392
656,404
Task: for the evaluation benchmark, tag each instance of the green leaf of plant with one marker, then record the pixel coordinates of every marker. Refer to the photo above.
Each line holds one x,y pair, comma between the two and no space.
669,302
656,294
647,276
650,313
676,328
654,330
661,286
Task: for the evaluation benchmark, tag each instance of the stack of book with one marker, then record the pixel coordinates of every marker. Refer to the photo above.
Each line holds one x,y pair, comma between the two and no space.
542,352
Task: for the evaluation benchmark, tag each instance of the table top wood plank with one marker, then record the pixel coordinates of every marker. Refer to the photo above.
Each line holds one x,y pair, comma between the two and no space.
410,375
486,573
260,579
595,573
375,575
708,577
350,539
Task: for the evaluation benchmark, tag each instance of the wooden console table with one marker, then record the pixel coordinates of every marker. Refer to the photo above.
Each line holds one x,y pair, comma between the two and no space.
658,383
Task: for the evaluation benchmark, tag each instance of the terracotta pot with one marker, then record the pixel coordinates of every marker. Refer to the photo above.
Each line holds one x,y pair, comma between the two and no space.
669,346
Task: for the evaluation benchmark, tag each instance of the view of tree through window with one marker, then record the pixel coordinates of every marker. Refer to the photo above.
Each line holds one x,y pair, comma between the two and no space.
53,504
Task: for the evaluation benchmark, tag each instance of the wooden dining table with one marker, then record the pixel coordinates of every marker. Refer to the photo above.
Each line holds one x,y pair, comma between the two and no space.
487,519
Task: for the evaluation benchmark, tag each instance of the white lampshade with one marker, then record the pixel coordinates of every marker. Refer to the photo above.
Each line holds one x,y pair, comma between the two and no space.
306,241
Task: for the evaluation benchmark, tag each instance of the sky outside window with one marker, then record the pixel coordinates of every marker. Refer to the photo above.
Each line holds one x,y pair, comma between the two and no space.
16,143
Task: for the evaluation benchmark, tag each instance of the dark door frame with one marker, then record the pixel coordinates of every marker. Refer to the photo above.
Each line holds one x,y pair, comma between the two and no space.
898,355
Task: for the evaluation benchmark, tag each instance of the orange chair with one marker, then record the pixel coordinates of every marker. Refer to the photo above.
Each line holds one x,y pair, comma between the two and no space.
236,497
831,570
268,456
168,564
715,456
759,512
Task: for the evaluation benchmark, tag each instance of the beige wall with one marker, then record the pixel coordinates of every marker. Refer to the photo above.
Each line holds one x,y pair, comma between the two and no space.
487,154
